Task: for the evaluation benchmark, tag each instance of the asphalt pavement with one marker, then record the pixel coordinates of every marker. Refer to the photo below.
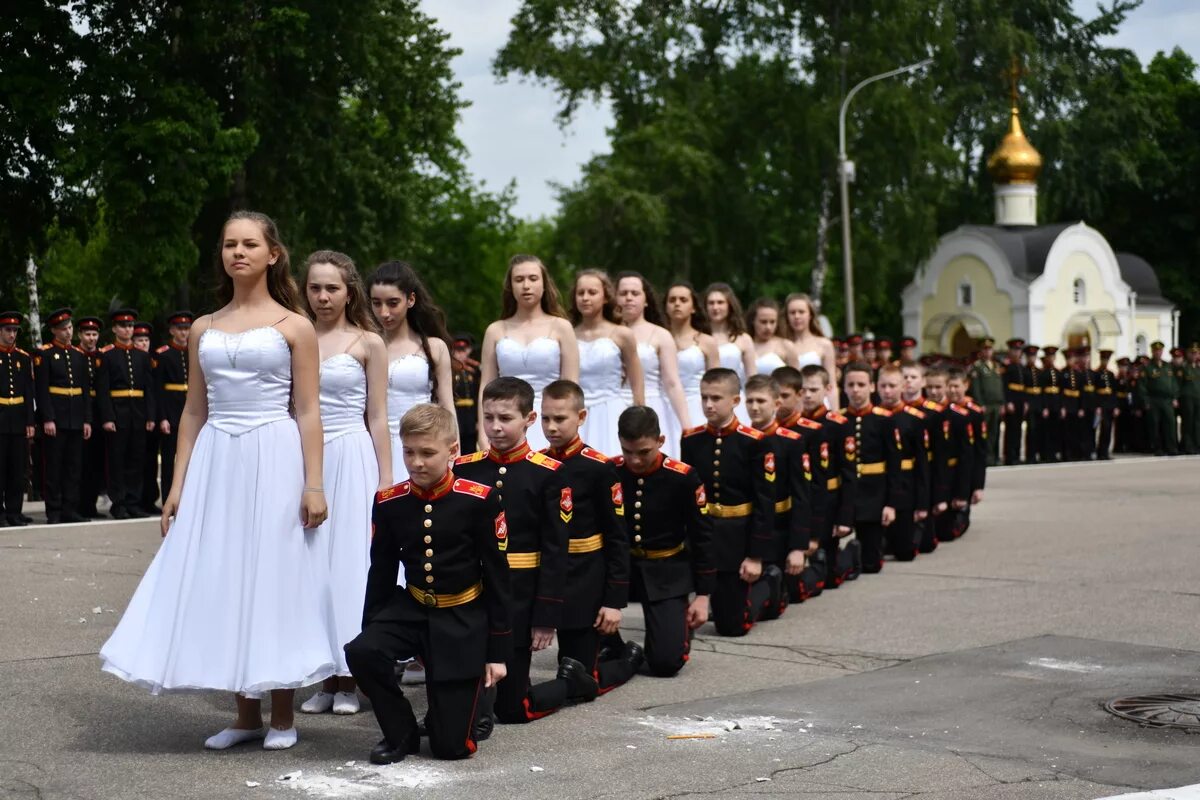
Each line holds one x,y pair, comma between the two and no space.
979,671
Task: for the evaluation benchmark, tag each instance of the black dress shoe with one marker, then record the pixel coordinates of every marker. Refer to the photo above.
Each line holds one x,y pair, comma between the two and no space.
635,656
485,717
116,512
52,519
16,522
71,516
581,684
3,522
140,513
25,518
385,753
90,513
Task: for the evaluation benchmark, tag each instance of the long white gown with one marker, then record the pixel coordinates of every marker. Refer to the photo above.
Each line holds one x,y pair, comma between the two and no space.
601,375
539,364
811,357
768,363
233,600
656,398
351,475
409,383
731,358
692,366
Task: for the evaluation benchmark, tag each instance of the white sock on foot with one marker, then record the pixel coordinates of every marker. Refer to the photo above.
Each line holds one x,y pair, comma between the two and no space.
345,703
231,736
280,740
319,703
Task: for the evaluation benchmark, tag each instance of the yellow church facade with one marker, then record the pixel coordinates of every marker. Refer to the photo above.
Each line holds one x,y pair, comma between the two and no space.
1060,284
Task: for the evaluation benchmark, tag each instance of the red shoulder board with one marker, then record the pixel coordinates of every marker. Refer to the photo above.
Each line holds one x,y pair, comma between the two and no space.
471,458
77,349
746,430
464,486
163,349
960,410
883,412
836,417
619,461
788,433
914,412
543,460
19,350
929,404
975,407
392,492
594,455
811,424
694,431
106,348
47,346
676,466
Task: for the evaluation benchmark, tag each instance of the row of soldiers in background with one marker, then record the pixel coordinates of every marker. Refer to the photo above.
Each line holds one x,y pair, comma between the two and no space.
98,417
1075,413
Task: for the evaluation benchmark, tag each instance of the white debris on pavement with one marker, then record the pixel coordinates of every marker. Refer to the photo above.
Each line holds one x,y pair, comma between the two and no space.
537,769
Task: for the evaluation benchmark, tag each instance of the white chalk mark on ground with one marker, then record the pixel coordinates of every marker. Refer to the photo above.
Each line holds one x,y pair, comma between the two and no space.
1066,666
355,781
1182,793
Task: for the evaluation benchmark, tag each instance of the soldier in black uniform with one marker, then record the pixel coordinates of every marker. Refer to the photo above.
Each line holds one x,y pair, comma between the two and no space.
810,582
142,333
466,388
1086,432
790,471
1123,412
591,505
671,552
957,385
1035,377
1050,424
733,461
16,418
93,469
914,476
530,491
171,381
455,613
65,409
1107,404
125,391
1015,401
958,451
872,449
933,415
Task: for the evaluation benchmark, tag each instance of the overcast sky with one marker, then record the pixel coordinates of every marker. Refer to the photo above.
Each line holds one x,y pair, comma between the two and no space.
511,134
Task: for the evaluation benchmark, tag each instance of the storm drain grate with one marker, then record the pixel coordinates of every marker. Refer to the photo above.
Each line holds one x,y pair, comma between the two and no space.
1159,710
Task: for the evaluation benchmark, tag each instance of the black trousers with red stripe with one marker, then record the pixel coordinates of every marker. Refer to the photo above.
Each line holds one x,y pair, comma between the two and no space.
736,605
372,658
583,645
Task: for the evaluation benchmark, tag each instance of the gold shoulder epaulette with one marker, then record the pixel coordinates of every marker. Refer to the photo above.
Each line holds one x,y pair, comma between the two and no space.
543,460
676,466
392,492
471,458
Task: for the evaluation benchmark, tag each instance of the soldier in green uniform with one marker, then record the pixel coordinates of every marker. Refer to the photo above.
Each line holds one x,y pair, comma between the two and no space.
1189,400
987,389
1161,394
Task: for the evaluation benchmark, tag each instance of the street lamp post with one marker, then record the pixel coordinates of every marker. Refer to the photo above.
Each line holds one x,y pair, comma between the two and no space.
846,174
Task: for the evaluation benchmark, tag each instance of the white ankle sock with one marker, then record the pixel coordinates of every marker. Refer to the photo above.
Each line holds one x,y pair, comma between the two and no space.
346,703
231,736
319,703
280,740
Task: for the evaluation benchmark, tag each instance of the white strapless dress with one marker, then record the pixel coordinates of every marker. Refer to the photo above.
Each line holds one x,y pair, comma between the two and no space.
539,364
409,383
692,366
811,357
601,376
668,423
234,599
351,475
768,363
731,358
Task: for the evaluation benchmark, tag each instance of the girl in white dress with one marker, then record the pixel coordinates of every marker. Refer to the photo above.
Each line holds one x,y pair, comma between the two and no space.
656,350
414,329
532,341
696,348
729,329
812,346
233,600
608,360
771,351
358,453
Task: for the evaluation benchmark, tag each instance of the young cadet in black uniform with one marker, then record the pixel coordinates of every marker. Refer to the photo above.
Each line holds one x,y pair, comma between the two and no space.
1086,432
591,505
1051,411
16,418
671,549
958,450
1033,400
733,461
125,391
810,581
933,415
872,449
455,613
790,470
466,388
65,409
912,499
142,331
1015,402
171,382
92,471
530,491
957,386
1107,402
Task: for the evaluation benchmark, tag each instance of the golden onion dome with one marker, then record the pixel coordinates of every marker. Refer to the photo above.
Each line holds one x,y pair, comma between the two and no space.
1015,160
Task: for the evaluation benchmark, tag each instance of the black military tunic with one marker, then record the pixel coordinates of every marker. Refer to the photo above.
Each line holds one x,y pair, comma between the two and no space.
671,554
936,457
735,463
913,481
825,458
1051,424
466,392
1107,401
959,447
455,612
977,427
791,475
93,471
64,389
530,491
872,450
126,395
1015,381
171,381
1034,401
16,420
1086,430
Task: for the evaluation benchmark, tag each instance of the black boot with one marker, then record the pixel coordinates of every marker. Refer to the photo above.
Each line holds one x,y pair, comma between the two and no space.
777,600
385,753
485,718
581,684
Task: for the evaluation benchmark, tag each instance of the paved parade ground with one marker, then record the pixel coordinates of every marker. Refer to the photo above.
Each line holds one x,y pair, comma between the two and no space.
975,673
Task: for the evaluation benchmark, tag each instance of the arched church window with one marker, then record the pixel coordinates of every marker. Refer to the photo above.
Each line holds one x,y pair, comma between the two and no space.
965,295
1140,345
1080,292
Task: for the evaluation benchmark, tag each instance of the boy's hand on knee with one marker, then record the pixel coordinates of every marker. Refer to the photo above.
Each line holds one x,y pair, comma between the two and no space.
751,570
697,613
493,674
542,638
608,620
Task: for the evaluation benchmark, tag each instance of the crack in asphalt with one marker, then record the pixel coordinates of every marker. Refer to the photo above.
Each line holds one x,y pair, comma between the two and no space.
848,661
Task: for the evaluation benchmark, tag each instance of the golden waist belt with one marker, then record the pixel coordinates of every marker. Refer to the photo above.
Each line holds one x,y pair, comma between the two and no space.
175,387
874,468
464,402
952,462
1104,391
65,392
1033,390
524,560
638,552
908,464
833,484
1016,387
445,600
783,506
12,401
589,545
1050,390
729,512
1071,392
127,393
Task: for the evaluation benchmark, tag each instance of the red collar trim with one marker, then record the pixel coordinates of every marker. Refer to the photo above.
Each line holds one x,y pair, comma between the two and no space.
791,419
516,454
120,346
658,462
898,407
725,430
818,412
770,429
178,347
861,412
573,448
440,490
